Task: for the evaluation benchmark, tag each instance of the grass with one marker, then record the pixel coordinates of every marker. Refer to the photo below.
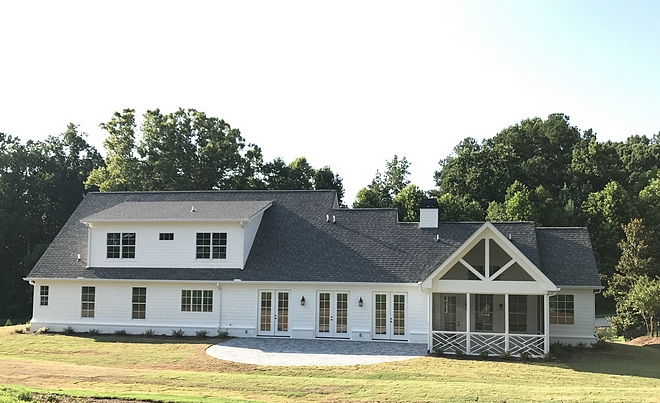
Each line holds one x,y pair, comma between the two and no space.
178,370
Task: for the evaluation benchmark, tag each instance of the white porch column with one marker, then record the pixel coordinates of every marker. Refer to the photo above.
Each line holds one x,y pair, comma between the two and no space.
546,322
467,322
429,303
506,322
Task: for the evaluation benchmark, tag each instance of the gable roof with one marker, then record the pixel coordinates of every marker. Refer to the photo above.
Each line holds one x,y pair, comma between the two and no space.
180,211
294,241
567,257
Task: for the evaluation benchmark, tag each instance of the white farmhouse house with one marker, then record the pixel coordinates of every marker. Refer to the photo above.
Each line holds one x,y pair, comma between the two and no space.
293,264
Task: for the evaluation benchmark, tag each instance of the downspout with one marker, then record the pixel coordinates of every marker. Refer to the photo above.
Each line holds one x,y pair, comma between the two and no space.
429,304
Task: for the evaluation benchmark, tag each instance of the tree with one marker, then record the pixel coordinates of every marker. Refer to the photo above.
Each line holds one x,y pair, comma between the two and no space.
184,150
324,178
41,183
638,260
407,203
644,299
452,208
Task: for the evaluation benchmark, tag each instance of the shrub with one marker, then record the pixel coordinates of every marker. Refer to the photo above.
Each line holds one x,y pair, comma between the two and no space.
69,330
8,323
581,345
459,352
202,333
42,330
178,333
525,356
19,330
223,334
121,332
484,353
505,355
439,350
149,332
94,332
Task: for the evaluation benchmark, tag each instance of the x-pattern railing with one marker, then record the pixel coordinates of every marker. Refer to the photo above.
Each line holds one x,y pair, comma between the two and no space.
532,344
492,343
450,341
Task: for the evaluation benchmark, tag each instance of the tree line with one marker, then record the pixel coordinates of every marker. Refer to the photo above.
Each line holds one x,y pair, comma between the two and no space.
542,170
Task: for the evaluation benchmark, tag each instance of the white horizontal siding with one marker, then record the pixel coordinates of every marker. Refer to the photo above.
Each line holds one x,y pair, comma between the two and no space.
583,328
180,253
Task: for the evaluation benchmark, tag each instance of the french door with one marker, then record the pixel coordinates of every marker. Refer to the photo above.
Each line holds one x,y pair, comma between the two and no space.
332,314
273,313
389,316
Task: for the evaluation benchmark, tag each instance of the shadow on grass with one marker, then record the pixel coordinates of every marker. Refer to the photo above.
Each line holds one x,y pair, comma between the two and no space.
616,359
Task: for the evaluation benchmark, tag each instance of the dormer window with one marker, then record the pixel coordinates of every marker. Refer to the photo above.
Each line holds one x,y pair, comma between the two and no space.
211,245
120,245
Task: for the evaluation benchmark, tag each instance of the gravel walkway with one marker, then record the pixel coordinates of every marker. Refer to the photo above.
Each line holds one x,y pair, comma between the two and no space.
299,352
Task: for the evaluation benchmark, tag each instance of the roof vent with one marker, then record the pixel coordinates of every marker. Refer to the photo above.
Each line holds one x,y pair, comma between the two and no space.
327,218
509,237
192,209
334,220
437,238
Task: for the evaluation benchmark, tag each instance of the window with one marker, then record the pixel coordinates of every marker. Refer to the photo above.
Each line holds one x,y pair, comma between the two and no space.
562,310
483,312
166,236
197,300
211,245
88,299
518,313
43,295
121,245
139,302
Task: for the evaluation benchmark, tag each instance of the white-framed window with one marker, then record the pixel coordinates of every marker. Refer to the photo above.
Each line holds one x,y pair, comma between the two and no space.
44,290
88,300
120,245
211,245
562,309
166,236
139,303
196,300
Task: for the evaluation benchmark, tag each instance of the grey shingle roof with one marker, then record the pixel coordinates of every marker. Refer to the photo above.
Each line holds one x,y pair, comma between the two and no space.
295,243
180,211
567,257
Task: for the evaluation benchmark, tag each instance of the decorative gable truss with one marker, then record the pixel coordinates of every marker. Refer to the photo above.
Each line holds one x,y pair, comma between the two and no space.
488,261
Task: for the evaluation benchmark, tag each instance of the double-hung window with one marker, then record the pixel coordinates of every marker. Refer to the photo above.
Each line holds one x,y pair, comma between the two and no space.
211,245
562,309
139,302
88,301
43,295
120,245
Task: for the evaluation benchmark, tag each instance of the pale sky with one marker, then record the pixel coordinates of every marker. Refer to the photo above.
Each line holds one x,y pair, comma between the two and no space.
347,84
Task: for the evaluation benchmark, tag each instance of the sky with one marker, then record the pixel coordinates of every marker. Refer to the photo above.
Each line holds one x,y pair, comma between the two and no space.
348,84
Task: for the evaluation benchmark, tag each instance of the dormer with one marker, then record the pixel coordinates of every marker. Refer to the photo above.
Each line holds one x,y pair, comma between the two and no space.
190,234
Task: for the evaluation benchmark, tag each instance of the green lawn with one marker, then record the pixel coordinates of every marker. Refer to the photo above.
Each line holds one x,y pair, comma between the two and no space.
169,369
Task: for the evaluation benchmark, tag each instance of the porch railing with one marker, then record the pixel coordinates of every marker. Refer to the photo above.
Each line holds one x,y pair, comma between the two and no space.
490,343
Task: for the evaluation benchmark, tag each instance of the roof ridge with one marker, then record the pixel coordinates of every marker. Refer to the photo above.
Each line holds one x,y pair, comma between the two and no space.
215,191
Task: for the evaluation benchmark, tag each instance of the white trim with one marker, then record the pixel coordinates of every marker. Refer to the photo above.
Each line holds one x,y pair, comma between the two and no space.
537,275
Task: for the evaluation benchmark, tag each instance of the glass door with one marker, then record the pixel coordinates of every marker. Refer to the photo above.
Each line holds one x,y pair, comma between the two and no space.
273,313
332,314
389,321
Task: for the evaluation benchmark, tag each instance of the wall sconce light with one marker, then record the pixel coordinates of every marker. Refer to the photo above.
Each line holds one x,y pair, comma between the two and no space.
501,307
360,302
302,301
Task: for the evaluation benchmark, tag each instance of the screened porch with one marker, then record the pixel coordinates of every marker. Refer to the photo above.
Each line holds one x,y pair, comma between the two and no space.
489,323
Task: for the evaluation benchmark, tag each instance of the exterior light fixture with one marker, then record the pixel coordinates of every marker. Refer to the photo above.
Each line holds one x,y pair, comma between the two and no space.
360,302
501,307
302,301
